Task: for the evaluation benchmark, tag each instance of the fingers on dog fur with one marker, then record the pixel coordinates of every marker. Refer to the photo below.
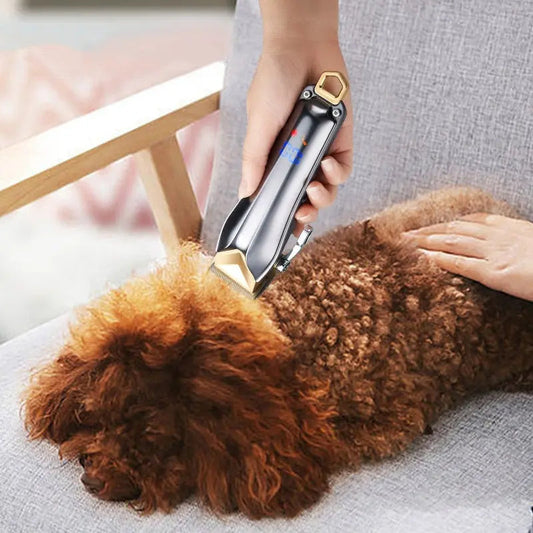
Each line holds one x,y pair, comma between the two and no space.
433,208
454,244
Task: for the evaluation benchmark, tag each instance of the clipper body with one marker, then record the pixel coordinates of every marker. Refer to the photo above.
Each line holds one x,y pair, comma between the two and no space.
252,241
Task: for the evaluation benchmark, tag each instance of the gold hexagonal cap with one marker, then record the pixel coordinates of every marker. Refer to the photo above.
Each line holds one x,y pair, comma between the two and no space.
330,97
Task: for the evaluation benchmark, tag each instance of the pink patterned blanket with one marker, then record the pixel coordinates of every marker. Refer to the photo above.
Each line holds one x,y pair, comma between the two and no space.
41,87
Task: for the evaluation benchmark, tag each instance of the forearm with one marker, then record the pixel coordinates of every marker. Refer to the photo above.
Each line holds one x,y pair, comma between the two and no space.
299,22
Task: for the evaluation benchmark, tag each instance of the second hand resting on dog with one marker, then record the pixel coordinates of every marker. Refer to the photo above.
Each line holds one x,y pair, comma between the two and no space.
494,250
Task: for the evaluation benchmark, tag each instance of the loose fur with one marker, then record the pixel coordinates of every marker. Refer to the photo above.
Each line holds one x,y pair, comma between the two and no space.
173,384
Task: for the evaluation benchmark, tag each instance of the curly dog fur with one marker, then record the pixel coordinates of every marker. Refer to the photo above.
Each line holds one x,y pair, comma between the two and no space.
173,384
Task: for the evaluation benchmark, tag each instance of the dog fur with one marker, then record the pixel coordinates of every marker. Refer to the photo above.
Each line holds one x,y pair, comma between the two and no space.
174,385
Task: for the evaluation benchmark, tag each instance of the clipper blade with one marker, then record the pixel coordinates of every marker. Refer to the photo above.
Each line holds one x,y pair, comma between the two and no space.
230,282
231,267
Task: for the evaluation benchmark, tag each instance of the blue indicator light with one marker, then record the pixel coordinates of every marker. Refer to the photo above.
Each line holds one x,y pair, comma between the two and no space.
293,154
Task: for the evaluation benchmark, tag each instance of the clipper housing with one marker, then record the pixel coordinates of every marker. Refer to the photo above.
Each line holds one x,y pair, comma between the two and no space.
250,248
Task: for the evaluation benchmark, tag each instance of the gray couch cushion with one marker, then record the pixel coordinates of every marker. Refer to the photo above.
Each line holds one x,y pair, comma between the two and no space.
442,95
472,475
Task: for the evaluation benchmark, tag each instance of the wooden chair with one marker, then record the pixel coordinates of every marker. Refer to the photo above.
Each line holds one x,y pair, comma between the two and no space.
145,125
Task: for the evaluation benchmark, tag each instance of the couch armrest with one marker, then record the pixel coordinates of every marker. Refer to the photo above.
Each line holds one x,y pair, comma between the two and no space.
145,123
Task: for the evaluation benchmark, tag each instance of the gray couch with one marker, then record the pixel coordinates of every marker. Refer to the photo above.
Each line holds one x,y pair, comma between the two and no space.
442,95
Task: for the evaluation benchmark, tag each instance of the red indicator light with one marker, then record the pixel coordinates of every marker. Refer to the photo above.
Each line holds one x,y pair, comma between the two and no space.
294,132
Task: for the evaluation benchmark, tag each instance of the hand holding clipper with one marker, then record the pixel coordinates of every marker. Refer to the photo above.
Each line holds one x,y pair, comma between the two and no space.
255,233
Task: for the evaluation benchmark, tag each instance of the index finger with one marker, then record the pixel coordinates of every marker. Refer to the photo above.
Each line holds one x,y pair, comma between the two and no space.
499,221
455,227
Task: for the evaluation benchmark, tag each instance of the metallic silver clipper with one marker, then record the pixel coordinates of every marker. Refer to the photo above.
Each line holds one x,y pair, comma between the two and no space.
250,249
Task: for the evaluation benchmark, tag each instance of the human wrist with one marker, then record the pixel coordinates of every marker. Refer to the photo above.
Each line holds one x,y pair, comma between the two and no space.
308,49
299,24
301,40
307,63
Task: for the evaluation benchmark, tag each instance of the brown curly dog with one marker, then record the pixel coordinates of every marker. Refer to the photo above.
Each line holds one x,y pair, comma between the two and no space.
174,384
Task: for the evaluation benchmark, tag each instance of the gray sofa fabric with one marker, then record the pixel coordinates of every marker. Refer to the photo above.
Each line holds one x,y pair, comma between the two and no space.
442,95
472,475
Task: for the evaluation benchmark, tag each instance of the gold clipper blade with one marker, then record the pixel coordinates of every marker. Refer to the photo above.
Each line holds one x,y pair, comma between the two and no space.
230,266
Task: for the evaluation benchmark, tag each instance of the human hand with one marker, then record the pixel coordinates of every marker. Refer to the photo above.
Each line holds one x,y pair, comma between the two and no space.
283,70
497,251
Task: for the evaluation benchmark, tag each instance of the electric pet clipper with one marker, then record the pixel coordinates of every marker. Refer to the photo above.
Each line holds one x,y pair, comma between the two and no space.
250,249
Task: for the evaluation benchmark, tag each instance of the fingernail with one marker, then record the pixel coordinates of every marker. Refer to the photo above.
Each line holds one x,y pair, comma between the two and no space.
327,164
304,218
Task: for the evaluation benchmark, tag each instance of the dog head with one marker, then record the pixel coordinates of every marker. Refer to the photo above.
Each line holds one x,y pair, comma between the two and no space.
172,385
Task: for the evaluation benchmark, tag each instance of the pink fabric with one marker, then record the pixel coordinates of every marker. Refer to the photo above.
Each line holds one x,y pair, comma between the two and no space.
44,86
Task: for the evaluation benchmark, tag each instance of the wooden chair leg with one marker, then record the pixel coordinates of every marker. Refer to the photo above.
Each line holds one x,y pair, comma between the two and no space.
170,192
